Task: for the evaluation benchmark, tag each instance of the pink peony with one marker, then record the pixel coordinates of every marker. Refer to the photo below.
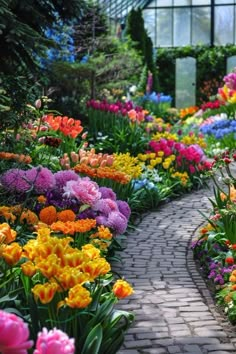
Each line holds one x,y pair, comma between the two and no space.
86,191
14,334
54,342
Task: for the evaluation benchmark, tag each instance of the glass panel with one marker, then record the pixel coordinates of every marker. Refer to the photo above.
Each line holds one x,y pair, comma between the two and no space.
181,27
201,2
224,25
185,82
151,4
231,64
164,28
182,2
224,1
164,2
201,25
149,23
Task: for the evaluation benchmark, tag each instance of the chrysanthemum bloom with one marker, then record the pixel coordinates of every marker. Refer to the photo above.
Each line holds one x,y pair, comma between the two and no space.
48,215
14,334
7,235
66,215
117,222
84,190
122,289
41,178
54,342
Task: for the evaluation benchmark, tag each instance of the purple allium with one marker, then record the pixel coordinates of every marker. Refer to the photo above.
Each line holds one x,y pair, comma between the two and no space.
107,193
84,190
62,177
14,180
41,178
117,222
124,208
105,206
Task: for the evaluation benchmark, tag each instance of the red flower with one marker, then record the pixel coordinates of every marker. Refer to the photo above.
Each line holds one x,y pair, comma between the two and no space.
229,260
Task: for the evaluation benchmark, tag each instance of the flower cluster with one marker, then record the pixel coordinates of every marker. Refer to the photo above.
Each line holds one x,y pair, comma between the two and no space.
16,157
89,158
188,111
219,128
212,105
67,126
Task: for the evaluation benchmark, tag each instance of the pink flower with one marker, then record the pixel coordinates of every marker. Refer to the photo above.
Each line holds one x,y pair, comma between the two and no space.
117,222
14,334
54,342
86,191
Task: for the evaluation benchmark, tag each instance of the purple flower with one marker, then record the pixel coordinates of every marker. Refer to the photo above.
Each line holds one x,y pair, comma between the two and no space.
14,180
62,177
84,190
124,208
117,222
41,178
105,206
102,220
107,193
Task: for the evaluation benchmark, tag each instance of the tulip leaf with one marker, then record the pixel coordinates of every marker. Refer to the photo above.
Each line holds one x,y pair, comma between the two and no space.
84,207
93,341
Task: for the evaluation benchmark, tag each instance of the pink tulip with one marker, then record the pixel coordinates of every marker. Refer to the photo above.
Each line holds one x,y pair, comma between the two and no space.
14,334
54,342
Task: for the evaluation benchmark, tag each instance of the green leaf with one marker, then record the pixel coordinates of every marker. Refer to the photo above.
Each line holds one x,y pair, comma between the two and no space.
93,341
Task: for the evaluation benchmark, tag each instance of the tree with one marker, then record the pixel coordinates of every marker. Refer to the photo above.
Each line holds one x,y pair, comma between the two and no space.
22,29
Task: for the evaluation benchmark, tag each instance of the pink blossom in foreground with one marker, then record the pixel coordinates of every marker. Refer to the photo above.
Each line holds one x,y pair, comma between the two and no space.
86,191
54,342
14,334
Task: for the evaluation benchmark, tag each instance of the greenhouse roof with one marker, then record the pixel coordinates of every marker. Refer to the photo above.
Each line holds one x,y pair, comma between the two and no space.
118,9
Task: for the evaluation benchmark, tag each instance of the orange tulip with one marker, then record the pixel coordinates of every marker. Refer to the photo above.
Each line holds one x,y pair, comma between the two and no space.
78,297
12,253
122,289
45,292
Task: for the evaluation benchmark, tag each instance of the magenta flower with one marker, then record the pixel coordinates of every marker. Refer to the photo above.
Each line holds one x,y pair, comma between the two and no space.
86,191
54,342
124,208
41,178
14,334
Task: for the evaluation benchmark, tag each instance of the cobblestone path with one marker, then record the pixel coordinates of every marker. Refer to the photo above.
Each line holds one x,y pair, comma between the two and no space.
174,311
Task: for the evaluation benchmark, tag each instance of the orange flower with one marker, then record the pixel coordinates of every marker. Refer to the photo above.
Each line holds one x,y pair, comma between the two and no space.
122,289
78,297
20,158
7,235
42,199
48,215
103,233
12,253
68,126
28,268
45,292
71,227
66,215
233,287
232,278
74,259
49,267
91,251
69,277
29,217
6,212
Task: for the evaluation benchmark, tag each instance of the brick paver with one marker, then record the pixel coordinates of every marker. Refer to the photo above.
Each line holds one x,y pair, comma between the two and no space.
174,311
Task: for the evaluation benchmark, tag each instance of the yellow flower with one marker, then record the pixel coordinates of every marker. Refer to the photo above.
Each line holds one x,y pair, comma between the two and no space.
7,235
29,217
45,292
122,289
28,268
12,253
78,297
160,153
91,251
96,267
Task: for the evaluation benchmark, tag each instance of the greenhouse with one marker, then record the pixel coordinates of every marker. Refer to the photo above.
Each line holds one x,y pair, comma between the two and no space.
117,177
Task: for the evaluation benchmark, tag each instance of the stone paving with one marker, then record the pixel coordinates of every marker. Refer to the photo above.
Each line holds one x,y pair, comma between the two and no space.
174,310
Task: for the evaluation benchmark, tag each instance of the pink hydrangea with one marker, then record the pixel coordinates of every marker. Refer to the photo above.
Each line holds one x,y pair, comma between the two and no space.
14,334
86,191
54,342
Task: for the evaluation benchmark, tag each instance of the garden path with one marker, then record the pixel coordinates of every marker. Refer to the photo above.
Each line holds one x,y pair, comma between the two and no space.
174,311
